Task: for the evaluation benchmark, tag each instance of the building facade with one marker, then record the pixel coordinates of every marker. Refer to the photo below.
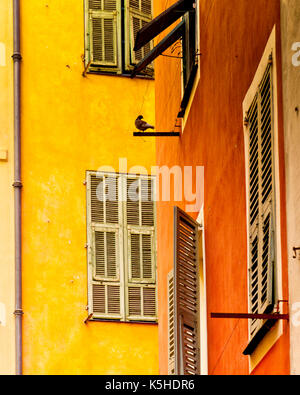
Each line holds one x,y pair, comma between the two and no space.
227,266
88,265
91,262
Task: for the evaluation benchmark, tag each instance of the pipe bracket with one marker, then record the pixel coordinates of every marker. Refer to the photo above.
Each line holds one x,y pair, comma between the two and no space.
17,184
18,312
17,57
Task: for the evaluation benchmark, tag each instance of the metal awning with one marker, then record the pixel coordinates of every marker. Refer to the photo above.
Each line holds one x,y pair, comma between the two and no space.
161,22
165,43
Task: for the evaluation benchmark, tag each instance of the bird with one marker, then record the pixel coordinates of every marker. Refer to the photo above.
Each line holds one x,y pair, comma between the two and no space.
142,125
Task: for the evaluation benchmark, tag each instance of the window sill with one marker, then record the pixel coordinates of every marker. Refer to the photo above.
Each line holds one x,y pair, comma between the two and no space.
122,322
253,344
265,344
111,74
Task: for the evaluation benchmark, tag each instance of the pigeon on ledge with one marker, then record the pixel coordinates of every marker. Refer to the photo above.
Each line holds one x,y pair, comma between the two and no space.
142,125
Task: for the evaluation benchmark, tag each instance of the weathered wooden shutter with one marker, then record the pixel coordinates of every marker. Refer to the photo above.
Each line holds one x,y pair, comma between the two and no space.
139,13
104,23
186,294
261,200
141,257
171,321
189,45
105,241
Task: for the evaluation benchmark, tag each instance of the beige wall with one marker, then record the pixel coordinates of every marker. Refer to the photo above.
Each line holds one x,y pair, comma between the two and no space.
290,15
7,351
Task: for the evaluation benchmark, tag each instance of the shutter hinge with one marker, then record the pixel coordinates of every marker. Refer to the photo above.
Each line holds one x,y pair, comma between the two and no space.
295,249
270,61
86,70
88,318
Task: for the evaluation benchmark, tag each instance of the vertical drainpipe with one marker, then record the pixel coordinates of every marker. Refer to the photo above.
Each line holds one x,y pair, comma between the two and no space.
17,184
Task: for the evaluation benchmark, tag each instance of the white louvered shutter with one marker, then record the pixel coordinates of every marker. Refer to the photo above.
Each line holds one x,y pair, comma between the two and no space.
105,240
171,329
261,200
141,259
104,23
139,13
186,294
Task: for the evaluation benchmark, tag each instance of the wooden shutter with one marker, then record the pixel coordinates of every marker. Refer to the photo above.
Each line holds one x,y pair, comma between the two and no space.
104,36
139,13
140,201
121,247
171,329
261,200
189,45
141,249
186,294
105,239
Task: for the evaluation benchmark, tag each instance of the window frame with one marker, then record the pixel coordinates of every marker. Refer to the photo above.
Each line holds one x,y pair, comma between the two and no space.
122,230
188,90
124,44
269,334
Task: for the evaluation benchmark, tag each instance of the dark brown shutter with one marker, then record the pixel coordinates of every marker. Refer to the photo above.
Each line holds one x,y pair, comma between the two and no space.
186,282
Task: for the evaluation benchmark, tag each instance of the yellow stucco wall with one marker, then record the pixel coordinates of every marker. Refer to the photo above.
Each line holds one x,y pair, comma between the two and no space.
71,124
7,343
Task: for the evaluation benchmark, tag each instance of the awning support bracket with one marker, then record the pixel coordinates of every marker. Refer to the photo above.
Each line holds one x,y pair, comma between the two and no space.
274,316
156,134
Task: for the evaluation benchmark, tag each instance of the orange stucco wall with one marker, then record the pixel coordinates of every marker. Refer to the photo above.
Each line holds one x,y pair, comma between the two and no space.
71,124
233,36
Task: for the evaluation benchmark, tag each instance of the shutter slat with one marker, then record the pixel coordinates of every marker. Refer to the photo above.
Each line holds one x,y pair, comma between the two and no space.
134,301
141,256
149,302
133,205
97,205
171,322
99,298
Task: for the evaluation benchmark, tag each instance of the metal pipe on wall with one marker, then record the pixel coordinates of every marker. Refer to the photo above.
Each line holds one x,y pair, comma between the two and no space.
17,184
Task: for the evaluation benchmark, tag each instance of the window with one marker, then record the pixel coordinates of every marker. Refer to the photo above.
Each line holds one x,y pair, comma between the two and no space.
259,133
190,57
183,292
121,247
186,30
111,28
